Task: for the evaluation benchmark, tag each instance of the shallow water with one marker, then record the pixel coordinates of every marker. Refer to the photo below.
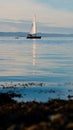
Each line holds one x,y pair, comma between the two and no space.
48,60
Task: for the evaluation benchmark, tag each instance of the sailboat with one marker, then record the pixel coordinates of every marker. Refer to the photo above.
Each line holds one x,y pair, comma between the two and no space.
33,34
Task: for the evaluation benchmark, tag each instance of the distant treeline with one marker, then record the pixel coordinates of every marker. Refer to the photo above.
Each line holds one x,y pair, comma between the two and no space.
24,34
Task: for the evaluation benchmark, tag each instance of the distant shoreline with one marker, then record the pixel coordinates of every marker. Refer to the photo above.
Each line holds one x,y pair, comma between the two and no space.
24,34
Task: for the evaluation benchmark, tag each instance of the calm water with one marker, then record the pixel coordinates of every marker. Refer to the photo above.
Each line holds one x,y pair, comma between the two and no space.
49,60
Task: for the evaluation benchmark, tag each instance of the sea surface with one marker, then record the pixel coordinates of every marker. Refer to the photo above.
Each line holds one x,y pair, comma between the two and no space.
37,69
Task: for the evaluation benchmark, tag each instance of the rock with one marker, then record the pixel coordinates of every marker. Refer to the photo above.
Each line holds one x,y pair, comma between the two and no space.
5,98
55,117
70,125
11,127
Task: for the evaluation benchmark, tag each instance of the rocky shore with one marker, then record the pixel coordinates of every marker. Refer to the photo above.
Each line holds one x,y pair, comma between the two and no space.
53,115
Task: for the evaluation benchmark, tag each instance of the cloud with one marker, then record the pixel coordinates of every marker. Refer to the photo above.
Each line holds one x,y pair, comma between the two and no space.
15,9
24,26
57,4
13,25
50,12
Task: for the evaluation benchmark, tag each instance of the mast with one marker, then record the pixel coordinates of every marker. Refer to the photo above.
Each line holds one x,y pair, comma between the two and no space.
33,30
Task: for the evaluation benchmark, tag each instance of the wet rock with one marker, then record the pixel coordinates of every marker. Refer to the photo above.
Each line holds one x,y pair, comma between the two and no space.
5,98
12,94
70,97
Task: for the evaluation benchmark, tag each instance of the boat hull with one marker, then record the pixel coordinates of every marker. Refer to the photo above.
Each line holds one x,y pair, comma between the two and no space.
33,37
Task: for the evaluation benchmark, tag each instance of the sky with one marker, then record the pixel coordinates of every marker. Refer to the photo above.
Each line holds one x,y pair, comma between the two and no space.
15,14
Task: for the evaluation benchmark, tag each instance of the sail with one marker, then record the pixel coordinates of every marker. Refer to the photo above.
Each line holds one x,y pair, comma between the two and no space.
33,30
33,33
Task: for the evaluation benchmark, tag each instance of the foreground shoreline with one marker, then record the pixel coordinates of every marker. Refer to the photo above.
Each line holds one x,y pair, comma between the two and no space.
53,115
37,91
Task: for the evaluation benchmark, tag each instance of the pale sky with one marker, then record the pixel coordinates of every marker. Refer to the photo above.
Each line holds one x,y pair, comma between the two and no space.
57,13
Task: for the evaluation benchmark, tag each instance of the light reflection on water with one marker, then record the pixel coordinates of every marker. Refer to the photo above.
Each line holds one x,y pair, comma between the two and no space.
46,57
